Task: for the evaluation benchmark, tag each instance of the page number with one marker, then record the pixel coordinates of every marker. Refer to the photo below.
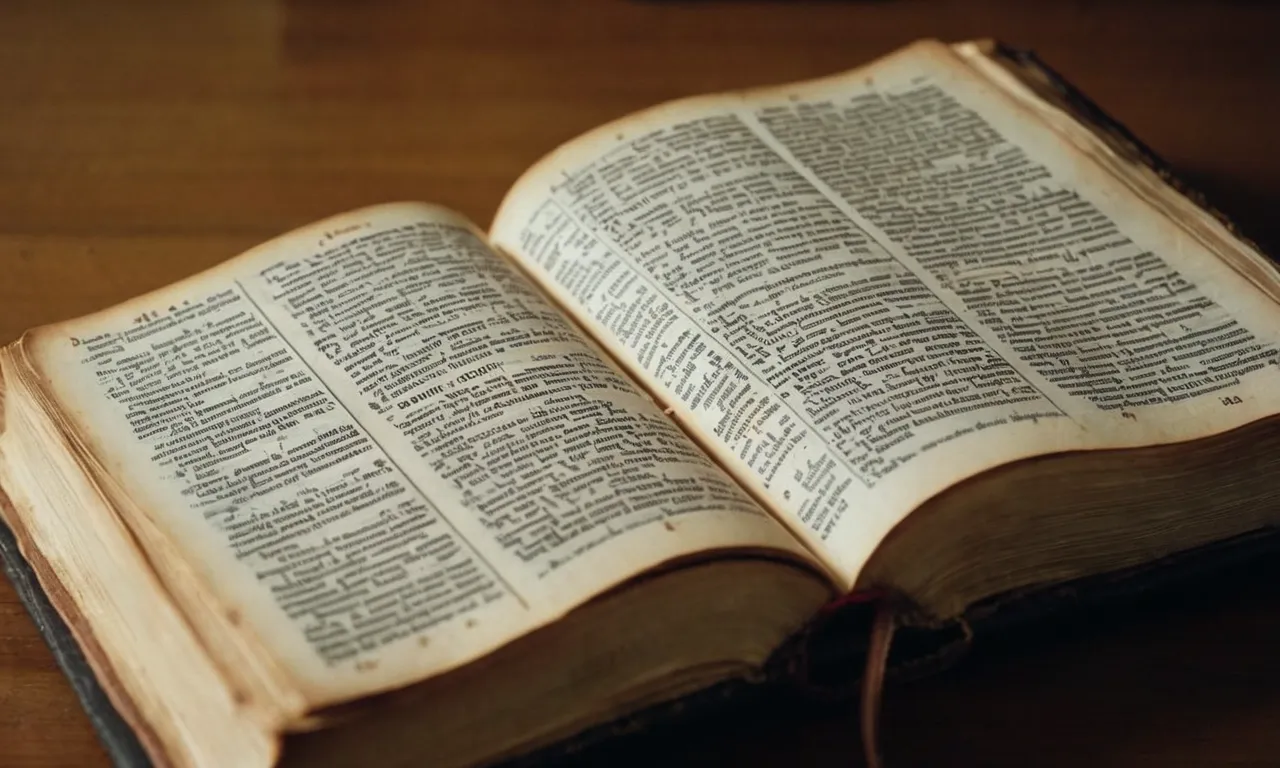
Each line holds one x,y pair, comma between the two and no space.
1231,400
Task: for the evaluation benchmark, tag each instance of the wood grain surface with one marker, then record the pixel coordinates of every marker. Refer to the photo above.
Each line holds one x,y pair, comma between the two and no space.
142,142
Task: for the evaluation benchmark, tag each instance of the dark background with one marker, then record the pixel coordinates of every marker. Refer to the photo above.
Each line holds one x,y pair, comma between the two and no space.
141,142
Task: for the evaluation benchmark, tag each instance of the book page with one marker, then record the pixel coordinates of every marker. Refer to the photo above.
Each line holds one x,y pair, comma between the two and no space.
864,289
384,451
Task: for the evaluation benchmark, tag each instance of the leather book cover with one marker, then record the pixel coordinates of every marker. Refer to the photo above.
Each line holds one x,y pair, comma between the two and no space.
115,734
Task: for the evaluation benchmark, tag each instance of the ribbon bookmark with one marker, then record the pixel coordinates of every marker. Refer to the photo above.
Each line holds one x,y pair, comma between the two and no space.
882,627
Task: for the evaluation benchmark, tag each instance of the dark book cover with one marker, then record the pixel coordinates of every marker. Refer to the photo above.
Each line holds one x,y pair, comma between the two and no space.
116,735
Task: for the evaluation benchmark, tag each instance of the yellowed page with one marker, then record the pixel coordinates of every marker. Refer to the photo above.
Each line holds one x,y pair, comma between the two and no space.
383,451
864,289
140,647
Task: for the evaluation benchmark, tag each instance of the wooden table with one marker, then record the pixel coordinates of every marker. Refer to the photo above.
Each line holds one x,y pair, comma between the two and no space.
139,144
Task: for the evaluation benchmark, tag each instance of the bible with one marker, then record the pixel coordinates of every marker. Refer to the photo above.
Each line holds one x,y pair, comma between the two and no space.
935,332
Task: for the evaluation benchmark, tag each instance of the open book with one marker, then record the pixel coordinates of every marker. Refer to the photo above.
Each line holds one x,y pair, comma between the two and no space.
922,328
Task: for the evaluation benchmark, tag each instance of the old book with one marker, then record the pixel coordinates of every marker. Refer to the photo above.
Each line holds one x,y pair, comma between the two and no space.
934,330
